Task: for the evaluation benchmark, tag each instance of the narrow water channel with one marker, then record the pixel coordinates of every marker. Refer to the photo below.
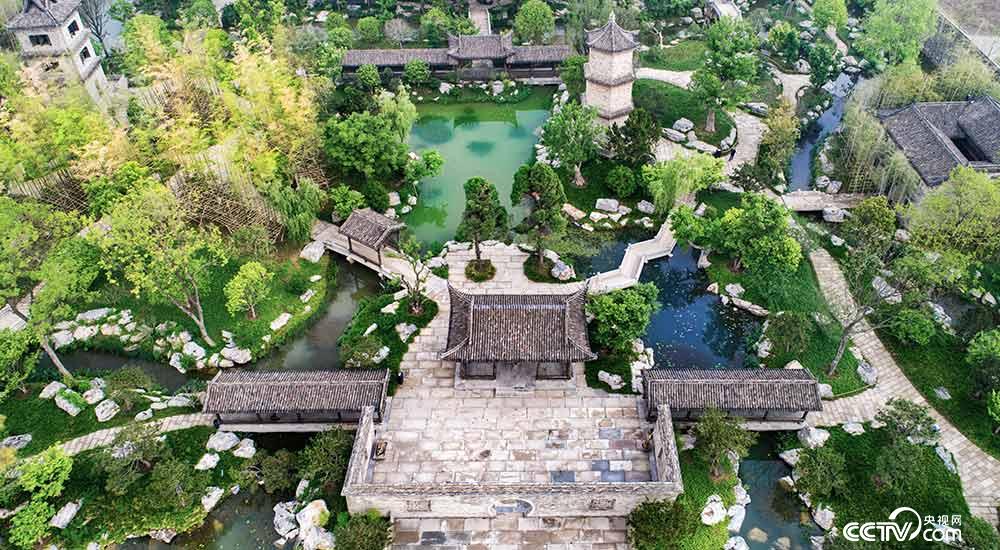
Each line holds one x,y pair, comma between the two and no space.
801,168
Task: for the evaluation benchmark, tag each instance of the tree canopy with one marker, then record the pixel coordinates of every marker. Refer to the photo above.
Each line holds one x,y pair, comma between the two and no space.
534,21
895,30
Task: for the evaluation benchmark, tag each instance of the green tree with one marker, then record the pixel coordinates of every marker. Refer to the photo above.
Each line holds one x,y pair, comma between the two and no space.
45,475
716,435
297,205
660,524
368,76
872,223
399,111
710,90
908,421
428,165
732,53
416,72
830,12
259,19
779,141
632,142
622,316
414,281
200,14
173,484
340,38
324,460
571,73
31,524
104,191
824,63
894,467
983,357
784,38
345,200
664,9
546,222
913,326
993,409
436,25
484,217
960,215
275,472
673,179
621,180
163,259
17,360
895,30
365,145
130,457
534,21
822,473
31,233
572,136
248,288
369,29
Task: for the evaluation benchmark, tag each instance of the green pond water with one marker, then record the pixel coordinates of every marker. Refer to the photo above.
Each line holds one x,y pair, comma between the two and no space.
476,139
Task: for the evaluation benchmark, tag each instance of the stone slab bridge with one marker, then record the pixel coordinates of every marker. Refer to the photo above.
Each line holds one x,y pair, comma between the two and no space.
815,201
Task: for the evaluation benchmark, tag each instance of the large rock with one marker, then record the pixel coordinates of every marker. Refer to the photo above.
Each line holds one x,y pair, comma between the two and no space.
737,514
312,252
736,543
316,538
750,307
62,338
741,495
646,207
280,321
192,349
84,333
69,406
868,374
65,514
886,291
562,271
790,457
180,400
144,415
50,390
674,135
237,355
793,365
163,535
945,456
854,428
608,205
813,437
93,396
714,512
824,517
106,410
683,125
222,441
246,449
93,315
16,442
573,212
832,214
211,498
405,330
445,88
314,514
207,461
284,518
380,355
825,391
614,381
735,289
759,109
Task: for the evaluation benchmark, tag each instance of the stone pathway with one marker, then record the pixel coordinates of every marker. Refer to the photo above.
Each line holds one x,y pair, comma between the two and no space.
480,16
979,471
750,130
509,532
681,79
791,84
103,438
831,33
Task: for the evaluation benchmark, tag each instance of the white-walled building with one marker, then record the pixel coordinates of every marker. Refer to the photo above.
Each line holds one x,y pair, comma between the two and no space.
54,41
610,71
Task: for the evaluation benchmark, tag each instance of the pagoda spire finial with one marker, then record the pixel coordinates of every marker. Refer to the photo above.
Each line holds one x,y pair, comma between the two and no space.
611,17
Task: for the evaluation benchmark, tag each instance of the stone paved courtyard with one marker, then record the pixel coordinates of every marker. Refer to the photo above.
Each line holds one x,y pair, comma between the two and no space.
511,533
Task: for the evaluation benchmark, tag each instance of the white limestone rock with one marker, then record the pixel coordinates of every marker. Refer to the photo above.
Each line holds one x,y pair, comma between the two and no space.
750,307
886,291
65,514
93,315
734,289
84,333
741,495
222,441
246,449
793,365
573,212
607,205
284,518
307,295
597,216
163,535
854,428
764,348
390,309
380,355
674,135
787,483
111,329
16,442
758,109
106,410
791,456
280,322
313,514
703,261
50,390
207,461
836,241
737,514
868,374
614,381
394,199
825,391
946,457
824,517
834,215
942,393
562,271
714,512
69,407
61,338
371,328
688,442
736,543
405,330
315,278
813,437
312,252
180,401
144,415
757,535
212,497
192,349
316,538
93,396
237,355
683,125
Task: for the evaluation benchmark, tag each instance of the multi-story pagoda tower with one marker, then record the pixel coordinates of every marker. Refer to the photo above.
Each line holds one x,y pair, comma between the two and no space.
610,71
55,42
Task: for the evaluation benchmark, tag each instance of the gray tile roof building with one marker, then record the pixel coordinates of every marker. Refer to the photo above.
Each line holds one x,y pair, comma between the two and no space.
42,13
461,49
241,391
612,37
369,227
937,137
732,389
517,327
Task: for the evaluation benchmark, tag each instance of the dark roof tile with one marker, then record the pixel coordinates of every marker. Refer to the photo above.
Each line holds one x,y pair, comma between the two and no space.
369,227
733,389
246,391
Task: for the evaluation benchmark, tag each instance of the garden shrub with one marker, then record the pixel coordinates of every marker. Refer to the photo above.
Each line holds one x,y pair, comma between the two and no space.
345,200
324,460
416,72
376,195
790,332
979,534
821,473
622,316
251,241
368,531
983,356
913,326
274,472
659,525
121,383
360,352
621,180
480,271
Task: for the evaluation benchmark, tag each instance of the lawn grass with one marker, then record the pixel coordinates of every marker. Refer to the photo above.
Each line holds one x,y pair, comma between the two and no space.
939,364
469,103
688,55
931,489
668,103
543,275
291,279
612,364
48,424
698,486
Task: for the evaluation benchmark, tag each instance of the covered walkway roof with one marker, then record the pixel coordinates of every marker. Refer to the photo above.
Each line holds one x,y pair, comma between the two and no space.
733,389
241,391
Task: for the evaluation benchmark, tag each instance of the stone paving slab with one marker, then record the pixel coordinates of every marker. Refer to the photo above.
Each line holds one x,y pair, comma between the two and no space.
510,532
103,438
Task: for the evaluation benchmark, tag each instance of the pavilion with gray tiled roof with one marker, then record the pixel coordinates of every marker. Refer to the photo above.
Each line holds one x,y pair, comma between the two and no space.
372,230
496,51
544,333
937,137
242,396
753,393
